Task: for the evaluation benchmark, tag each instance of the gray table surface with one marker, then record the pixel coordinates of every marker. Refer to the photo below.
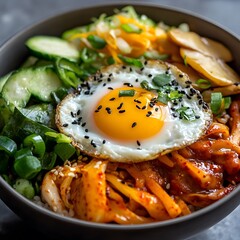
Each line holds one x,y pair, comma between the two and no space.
17,14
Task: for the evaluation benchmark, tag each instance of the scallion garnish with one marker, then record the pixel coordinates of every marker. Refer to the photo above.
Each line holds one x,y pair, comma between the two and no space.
216,102
186,113
131,28
161,80
145,85
96,42
227,102
162,97
185,60
174,95
126,93
131,61
203,83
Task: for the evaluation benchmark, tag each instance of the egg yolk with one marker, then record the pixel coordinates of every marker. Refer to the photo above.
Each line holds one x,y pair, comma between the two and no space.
135,117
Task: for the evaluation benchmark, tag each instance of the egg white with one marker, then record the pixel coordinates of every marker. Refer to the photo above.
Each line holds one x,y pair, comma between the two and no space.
75,115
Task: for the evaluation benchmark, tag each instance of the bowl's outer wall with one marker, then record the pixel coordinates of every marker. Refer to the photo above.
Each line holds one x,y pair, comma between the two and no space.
12,55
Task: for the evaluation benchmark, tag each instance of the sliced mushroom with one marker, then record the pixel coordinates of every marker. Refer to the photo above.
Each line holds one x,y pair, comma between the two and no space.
216,70
226,91
193,75
205,46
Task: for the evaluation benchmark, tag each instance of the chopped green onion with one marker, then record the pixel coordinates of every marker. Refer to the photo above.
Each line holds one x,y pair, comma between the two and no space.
163,97
155,55
126,93
48,161
59,137
186,113
131,28
131,61
88,55
7,145
174,95
25,188
216,102
36,143
203,83
227,102
27,167
96,42
161,80
23,152
145,85
110,61
64,150
58,95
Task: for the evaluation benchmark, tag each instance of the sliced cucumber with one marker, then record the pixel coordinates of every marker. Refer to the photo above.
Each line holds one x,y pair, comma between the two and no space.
51,48
24,83
3,80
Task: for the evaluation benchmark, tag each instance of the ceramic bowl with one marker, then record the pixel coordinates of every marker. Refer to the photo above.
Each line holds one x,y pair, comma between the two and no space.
13,52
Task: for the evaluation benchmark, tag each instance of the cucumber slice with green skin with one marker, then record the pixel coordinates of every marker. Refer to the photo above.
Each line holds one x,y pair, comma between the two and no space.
24,83
51,48
3,80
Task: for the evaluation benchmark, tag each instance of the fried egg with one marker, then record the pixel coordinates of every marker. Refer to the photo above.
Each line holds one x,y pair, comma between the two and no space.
131,114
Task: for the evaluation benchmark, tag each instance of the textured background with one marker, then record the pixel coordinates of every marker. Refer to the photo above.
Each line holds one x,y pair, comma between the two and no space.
15,15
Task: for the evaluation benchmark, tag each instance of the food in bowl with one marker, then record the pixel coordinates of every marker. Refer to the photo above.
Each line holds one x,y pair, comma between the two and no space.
114,86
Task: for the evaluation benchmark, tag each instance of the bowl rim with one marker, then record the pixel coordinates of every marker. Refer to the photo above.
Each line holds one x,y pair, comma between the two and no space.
9,189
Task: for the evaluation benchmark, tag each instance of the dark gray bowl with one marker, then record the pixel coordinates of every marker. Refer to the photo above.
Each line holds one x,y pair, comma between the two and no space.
13,52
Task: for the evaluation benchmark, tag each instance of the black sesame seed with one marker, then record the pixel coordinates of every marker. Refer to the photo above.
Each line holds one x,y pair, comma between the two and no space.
120,106
188,82
110,74
130,69
86,92
96,111
173,109
93,144
100,80
78,112
146,62
75,122
174,115
205,106
79,119
87,137
84,124
104,84
104,141
65,125
144,107
149,114
86,130
108,110
180,75
99,107
112,99
109,79
137,101
175,103
134,124
110,88
73,114
136,80
199,96
192,90
138,143
141,69
188,96
123,67
200,102
101,75
149,75
151,104
182,92
139,148
197,117
138,107
122,111
156,109
188,86
128,84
